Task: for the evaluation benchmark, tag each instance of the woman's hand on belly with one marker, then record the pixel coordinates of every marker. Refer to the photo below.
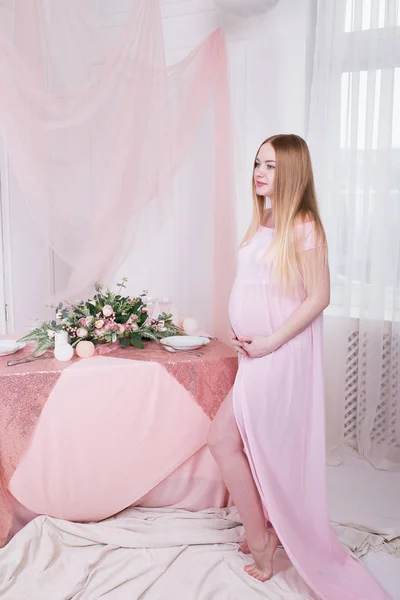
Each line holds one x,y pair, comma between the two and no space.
257,346
237,344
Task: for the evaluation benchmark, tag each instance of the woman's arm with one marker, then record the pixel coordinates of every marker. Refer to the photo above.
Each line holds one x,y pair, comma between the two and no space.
317,288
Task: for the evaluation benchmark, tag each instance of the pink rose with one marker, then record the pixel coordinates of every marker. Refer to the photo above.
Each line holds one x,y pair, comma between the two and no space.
99,324
82,332
108,310
121,328
82,321
160,326
100,332
88,321
133,318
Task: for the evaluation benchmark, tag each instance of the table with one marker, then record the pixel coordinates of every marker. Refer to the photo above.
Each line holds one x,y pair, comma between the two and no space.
85,439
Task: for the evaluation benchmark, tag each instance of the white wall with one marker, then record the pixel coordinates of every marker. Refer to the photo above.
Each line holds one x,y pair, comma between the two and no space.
269,71
269,66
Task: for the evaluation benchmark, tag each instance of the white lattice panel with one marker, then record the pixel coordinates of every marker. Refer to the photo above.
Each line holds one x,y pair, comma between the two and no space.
387,418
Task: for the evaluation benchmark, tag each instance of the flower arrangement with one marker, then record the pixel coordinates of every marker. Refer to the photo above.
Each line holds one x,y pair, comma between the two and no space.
106,318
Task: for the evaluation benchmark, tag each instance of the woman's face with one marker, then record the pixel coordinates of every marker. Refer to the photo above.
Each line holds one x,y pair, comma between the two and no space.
264,171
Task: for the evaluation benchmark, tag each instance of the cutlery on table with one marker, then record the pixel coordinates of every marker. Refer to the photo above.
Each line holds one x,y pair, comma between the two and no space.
191,352
27,359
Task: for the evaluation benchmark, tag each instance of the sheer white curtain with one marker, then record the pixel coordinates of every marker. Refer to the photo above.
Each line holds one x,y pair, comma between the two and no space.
354,135
102,139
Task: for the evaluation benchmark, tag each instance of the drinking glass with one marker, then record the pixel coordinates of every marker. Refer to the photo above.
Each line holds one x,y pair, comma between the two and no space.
150,302
34,323
165,305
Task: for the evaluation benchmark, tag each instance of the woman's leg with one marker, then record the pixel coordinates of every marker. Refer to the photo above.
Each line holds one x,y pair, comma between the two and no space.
226,446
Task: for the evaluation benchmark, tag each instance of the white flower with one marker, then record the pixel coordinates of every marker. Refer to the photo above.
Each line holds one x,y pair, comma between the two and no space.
59,316
82,332
134,327
108,310
51,333
99,324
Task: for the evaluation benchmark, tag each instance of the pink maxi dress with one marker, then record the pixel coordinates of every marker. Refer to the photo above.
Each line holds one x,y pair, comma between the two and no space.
279,407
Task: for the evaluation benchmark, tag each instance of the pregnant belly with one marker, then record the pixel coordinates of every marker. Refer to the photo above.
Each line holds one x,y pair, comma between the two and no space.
249,310
255,309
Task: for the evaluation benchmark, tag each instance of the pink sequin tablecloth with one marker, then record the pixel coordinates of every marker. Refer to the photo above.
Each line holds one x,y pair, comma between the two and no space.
84,439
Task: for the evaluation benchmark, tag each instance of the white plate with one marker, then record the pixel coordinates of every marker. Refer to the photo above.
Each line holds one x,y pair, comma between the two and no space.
185,342
10,347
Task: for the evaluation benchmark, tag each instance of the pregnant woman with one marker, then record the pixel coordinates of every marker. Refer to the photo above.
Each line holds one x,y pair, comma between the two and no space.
269,438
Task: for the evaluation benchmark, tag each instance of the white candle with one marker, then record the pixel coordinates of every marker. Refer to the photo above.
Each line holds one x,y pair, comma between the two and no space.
63,352
61,338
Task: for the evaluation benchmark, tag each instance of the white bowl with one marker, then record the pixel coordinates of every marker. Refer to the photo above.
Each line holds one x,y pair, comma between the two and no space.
10,347
185,342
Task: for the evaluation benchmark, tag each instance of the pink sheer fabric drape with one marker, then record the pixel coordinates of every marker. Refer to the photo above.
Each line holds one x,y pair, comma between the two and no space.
97,128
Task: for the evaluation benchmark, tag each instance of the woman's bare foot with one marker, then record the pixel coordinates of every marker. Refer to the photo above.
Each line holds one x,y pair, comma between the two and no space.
262,568
244,547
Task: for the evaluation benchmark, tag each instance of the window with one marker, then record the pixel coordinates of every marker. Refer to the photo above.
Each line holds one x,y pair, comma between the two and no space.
367,55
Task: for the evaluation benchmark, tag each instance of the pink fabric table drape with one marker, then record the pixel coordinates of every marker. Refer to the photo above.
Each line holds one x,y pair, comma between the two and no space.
84,440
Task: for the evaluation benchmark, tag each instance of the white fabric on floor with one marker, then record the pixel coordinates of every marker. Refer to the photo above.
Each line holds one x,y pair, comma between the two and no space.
152,554
142,553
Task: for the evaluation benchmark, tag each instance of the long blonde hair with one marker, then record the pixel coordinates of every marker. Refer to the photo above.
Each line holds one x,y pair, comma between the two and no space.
294,202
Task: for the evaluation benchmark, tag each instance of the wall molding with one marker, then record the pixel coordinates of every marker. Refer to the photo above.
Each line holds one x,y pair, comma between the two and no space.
6,281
